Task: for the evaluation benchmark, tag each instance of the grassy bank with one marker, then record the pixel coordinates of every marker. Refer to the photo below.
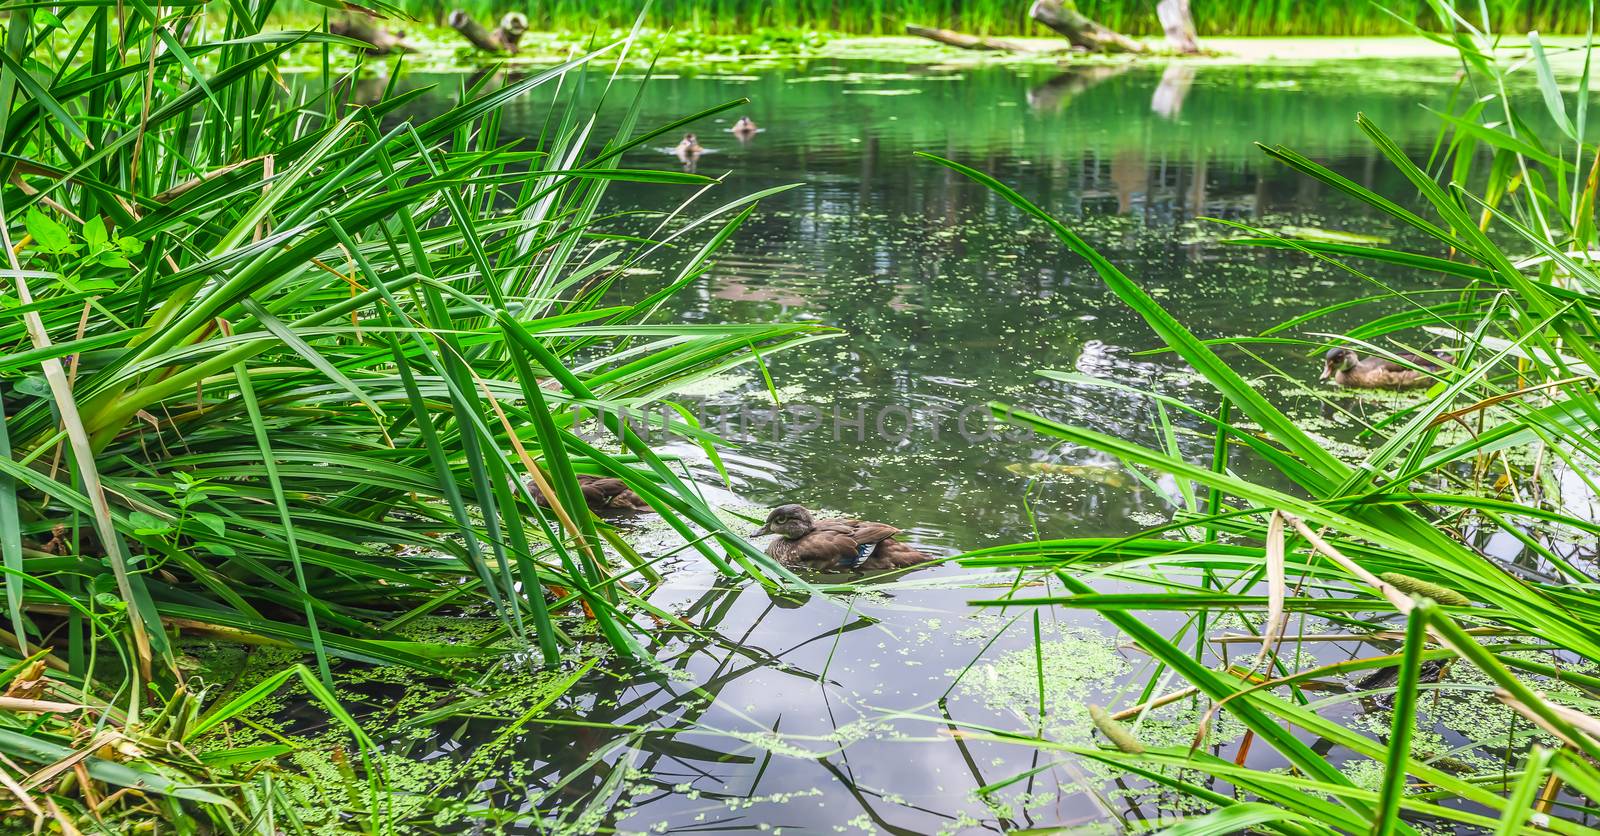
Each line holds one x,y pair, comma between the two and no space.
1005,17
440,49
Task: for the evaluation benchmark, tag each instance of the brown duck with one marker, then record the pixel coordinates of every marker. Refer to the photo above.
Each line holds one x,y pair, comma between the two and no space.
835,545
605,495
1344,367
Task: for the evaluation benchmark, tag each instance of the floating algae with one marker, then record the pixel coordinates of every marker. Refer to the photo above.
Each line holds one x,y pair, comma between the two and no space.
1077,663
1105,474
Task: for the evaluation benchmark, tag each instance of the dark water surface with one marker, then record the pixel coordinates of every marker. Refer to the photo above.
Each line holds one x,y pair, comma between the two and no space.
825,716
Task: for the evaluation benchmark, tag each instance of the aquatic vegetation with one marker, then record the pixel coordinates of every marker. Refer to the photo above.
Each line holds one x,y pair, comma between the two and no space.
1383,545
682,50
1072,666
312,423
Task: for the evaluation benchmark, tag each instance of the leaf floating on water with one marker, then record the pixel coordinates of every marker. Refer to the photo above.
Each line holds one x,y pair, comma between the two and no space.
896,92
1115,731
1331,236
1422,588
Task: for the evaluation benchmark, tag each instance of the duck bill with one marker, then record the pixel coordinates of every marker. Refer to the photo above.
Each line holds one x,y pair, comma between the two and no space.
764,531
1327,372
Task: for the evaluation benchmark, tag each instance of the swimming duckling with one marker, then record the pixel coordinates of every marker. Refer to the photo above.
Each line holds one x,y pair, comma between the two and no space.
605,496
688,152
835,545
689,146
1344,367
745,127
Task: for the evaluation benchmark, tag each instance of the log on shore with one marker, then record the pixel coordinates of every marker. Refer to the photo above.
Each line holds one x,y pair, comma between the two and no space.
379,41
1178,23
513,25
502,41
962,40
1063,17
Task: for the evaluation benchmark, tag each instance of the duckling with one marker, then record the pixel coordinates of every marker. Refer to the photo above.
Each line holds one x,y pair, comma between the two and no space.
605,496
1344,367
689,146
835,545
745,127
688,152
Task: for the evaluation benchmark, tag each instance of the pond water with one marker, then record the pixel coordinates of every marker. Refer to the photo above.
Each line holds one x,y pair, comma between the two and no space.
838,716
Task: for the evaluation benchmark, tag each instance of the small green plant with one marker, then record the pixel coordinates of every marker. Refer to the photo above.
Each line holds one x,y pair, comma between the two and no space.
185,523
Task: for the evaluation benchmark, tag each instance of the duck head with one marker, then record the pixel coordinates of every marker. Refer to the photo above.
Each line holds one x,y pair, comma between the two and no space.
1337,360
791,522
744,125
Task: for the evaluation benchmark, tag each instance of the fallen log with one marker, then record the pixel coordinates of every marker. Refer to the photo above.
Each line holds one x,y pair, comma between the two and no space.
502,41
1178,23
379,41
962,40
1063,17
512,27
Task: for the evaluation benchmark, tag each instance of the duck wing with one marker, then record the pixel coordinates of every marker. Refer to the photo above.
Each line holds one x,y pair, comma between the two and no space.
893,554
876,547
604,495
609,494
1420,361
864,532
825,546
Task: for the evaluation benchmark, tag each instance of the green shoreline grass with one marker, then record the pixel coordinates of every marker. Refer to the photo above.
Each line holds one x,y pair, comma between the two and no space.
1213,18
440,49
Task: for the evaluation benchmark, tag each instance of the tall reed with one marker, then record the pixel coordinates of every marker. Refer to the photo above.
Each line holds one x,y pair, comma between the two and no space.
1400,558
284,367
